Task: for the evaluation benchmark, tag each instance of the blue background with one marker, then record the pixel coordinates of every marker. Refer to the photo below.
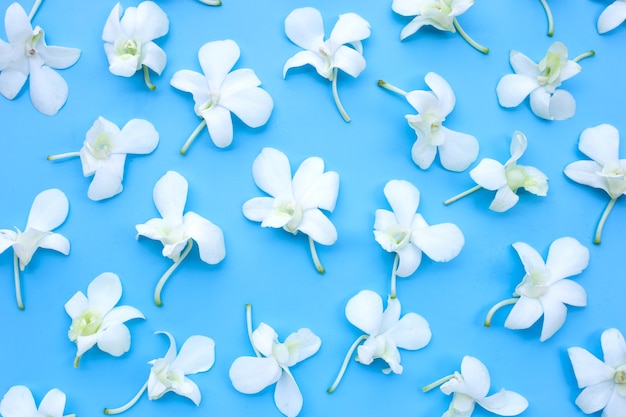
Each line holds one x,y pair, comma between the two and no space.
272,269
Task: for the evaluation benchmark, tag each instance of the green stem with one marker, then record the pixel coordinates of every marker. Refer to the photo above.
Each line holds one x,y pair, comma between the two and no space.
461,195
34,9
316,259
437,383
16,274
584,55
249,327
469,40
166,275
597,239
63,156
356,343
128,404
342,111
146,78
76,361
498,306
212,2
394,270
544,3
192,137
391,87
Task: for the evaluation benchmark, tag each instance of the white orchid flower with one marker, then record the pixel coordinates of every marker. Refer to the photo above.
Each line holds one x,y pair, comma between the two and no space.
104,151
27,54
471,386
457,150
613,16
603,383
169,373
220,92
294,205
508,178
343,50
544,289
129,40
19,402
176,231
541,82
385,332
405,232
440,14
252,374
97,321
49,211
604,171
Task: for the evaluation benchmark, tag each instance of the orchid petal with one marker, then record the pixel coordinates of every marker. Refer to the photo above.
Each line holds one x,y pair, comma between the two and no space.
350,27
138,136
569,292
504,403
188,389
519,143
253,106
287,395
107,180
302,345
75,306
587,173
305,28
318,227
264,338
611,17
530,258
423,153
191,82
153,57
170,195
588,369
53,403
250,374
197,354
524,313
114,340
476,377
48,90
596,397
258,209
566,257
540,103
313,187
554,315
272,172
219,124
11,82
440,242
365,311
424,102
404,198
151,22
121,314
523,65
17,24
489,174
104,292
18,401
411,332
562,105
410,260
58,57
207,235
215,70
406,7
349,61
616,404
306,58
613,347
600,143
442,90
505,199
113,28
49,210
512,89
413,26
458,151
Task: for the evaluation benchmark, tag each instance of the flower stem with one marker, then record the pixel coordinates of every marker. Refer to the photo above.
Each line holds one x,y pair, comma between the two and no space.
63,156
345,363
316,259
76,361
34,9
469,40
128,404
394,270
391,87
461,195
249,327
166,275
342,111
584,55
496,307
544,3
212,2
192,137
437,383
146,78
16,273
597,239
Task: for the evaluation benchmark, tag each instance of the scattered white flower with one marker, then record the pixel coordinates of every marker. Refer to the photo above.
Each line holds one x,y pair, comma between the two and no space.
27,54
169,373
544,289
252,374
294,205
129,39
613,16
440,14
603,383
49,211
385,332
104,151
219,92
19,402
541,82
343,50
604,171
97,320
471,386
176,231
405,232
457,150
508,178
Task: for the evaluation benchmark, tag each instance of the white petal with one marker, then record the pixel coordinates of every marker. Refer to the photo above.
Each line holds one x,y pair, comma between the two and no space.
197,354
414,25
596,397
350,27
512,89
588,369
519,143
587,173
440,242
617,403
365,311
554,315
404,198
523,65
529,256
476,377
524,313
48,211
250,374
305,28
302,345
7,239
48,90
423,101
442,90
75,306
11,82
208,236
253,105
58,57
170,355
391,315
566,257
349,60
458,151
410,260
600,143
219,124
318,227
504,403
56,242
104,292
406,7
121,314
170,195
151,22
562,105
423,153
258,209
536,181
489,174
153,57
138,136
121,66
112,28
272,172
264,338
505,199
84,343
313,188
411,332
614,348
611,17
114,340
540,103
53,403
569,292
216,59
18,401
188,389
107,180
307,58
17,25
191,82
287,395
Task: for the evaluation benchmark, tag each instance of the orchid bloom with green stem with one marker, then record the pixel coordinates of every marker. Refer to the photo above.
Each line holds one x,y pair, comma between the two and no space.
128,39
456,150
613,16
604,171
49,211
169,373
343,50
97,321
294,205
440,14
19,402
404,232
26,54
104,151
219,92
506,178
385,332
471,386
272,363
544,291
176,231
